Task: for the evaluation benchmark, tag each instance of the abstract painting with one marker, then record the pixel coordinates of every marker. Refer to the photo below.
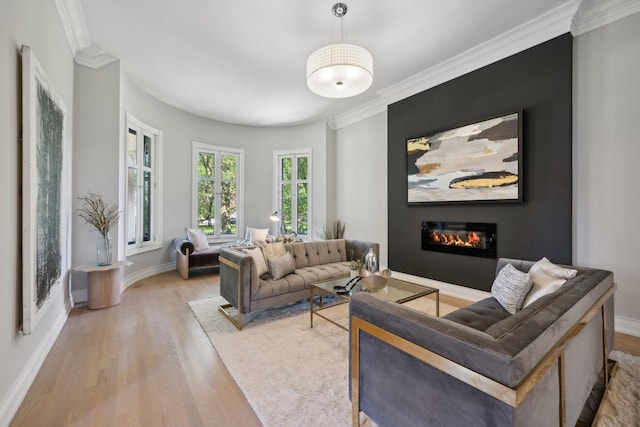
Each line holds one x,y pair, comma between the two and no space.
45,192
480,162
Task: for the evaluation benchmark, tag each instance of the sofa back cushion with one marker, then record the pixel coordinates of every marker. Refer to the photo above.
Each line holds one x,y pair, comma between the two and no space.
309,254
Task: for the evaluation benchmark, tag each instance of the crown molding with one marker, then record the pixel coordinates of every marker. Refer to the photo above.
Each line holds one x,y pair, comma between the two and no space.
361,112
331,123
75,28
593,14
543,28
94,57
72,18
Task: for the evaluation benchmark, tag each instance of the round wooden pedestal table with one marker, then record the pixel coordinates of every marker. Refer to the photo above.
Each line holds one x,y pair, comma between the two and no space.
104,283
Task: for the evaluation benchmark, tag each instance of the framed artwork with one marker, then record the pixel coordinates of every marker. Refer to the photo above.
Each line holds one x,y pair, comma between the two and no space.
479,162
46,193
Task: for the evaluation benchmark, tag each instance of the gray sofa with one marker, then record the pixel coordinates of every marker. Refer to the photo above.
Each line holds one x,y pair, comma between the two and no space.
545,365
314,261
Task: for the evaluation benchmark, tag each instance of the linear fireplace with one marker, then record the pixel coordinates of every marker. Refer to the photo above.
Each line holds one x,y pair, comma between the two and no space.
464,238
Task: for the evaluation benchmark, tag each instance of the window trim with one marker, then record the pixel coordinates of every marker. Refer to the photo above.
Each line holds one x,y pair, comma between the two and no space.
155,243
196,148
277,154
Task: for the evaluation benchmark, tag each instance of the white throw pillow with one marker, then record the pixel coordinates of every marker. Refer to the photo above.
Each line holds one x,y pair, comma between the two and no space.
272,250
257,234
547,278
198,238
510,288
258,260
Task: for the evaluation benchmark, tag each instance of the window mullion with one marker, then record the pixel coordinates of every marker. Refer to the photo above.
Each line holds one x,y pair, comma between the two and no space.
139,172
294,193
217,191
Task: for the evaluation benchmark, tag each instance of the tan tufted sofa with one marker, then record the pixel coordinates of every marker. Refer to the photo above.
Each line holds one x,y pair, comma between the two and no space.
314,261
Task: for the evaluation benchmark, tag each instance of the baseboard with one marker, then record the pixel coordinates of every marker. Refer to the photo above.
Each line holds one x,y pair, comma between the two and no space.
146,272
449,289
81,295
15,395
626,325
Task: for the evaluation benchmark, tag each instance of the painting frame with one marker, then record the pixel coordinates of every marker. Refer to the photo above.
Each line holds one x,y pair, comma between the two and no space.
474,163
46,193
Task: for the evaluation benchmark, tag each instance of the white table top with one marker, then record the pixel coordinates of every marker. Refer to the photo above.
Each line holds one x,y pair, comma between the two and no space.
93,267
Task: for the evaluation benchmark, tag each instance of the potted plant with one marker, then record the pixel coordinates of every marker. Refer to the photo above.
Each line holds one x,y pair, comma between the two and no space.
355,266
103,218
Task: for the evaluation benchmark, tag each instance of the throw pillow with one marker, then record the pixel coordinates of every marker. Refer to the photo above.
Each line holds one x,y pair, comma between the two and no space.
272,250
258,260
198,238
547,277
281,266
511,287
257,234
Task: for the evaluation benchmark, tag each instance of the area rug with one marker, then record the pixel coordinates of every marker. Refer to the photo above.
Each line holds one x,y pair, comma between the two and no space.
621,406
295,375
291,374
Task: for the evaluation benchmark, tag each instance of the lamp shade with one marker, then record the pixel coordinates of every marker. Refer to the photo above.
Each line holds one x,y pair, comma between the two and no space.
339,70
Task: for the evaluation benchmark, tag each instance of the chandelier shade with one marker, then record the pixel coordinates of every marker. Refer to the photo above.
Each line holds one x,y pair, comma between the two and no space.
339,70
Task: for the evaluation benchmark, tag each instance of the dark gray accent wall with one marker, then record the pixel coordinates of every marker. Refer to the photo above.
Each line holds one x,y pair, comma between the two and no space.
538,81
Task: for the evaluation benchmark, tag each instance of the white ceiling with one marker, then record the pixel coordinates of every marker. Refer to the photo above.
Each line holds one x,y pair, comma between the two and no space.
244,61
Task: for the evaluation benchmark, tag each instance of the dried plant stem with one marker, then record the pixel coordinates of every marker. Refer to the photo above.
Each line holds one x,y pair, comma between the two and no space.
97,214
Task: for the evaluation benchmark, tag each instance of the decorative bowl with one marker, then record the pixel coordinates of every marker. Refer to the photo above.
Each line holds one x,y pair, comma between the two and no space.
374,281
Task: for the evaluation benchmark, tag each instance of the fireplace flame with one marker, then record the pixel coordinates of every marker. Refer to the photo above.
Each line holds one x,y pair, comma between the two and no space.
471,240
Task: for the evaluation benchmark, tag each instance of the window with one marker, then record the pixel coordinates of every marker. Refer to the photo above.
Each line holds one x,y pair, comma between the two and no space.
217,173
293,190
143,204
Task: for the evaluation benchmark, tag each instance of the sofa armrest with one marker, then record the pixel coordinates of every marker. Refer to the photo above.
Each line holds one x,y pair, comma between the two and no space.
183,248
236,278
357,249
181,245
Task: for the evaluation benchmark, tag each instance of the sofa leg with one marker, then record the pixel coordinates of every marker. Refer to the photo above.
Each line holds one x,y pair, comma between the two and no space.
236,322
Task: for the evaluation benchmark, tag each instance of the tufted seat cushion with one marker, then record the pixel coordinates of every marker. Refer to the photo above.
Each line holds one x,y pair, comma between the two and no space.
479,316
300,279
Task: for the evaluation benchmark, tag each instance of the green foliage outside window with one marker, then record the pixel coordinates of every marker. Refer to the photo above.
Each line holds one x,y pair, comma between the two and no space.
207,183
298,192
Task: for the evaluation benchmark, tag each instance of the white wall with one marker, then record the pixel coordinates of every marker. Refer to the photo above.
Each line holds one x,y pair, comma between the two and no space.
606,150
361,181
96,141
181,128
34,23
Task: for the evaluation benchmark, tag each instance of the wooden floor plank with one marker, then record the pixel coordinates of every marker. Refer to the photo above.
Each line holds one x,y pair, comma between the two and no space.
145,361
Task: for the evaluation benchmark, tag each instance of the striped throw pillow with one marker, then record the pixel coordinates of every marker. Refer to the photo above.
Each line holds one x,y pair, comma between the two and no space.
511,287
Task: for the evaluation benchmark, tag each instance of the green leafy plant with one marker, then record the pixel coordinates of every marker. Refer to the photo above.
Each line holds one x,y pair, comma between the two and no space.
96,213
356,264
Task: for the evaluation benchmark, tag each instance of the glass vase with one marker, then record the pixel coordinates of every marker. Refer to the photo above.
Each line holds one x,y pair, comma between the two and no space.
371,261
104,248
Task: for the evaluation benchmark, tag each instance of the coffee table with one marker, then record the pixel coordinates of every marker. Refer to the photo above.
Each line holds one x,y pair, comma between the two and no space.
396,290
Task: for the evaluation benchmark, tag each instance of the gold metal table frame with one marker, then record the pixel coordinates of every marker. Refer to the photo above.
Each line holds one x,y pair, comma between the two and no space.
398,291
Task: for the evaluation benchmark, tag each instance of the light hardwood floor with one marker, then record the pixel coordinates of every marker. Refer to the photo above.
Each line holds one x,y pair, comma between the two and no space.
147,362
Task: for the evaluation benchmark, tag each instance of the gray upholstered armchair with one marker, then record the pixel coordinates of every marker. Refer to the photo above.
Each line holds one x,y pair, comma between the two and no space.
545,365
